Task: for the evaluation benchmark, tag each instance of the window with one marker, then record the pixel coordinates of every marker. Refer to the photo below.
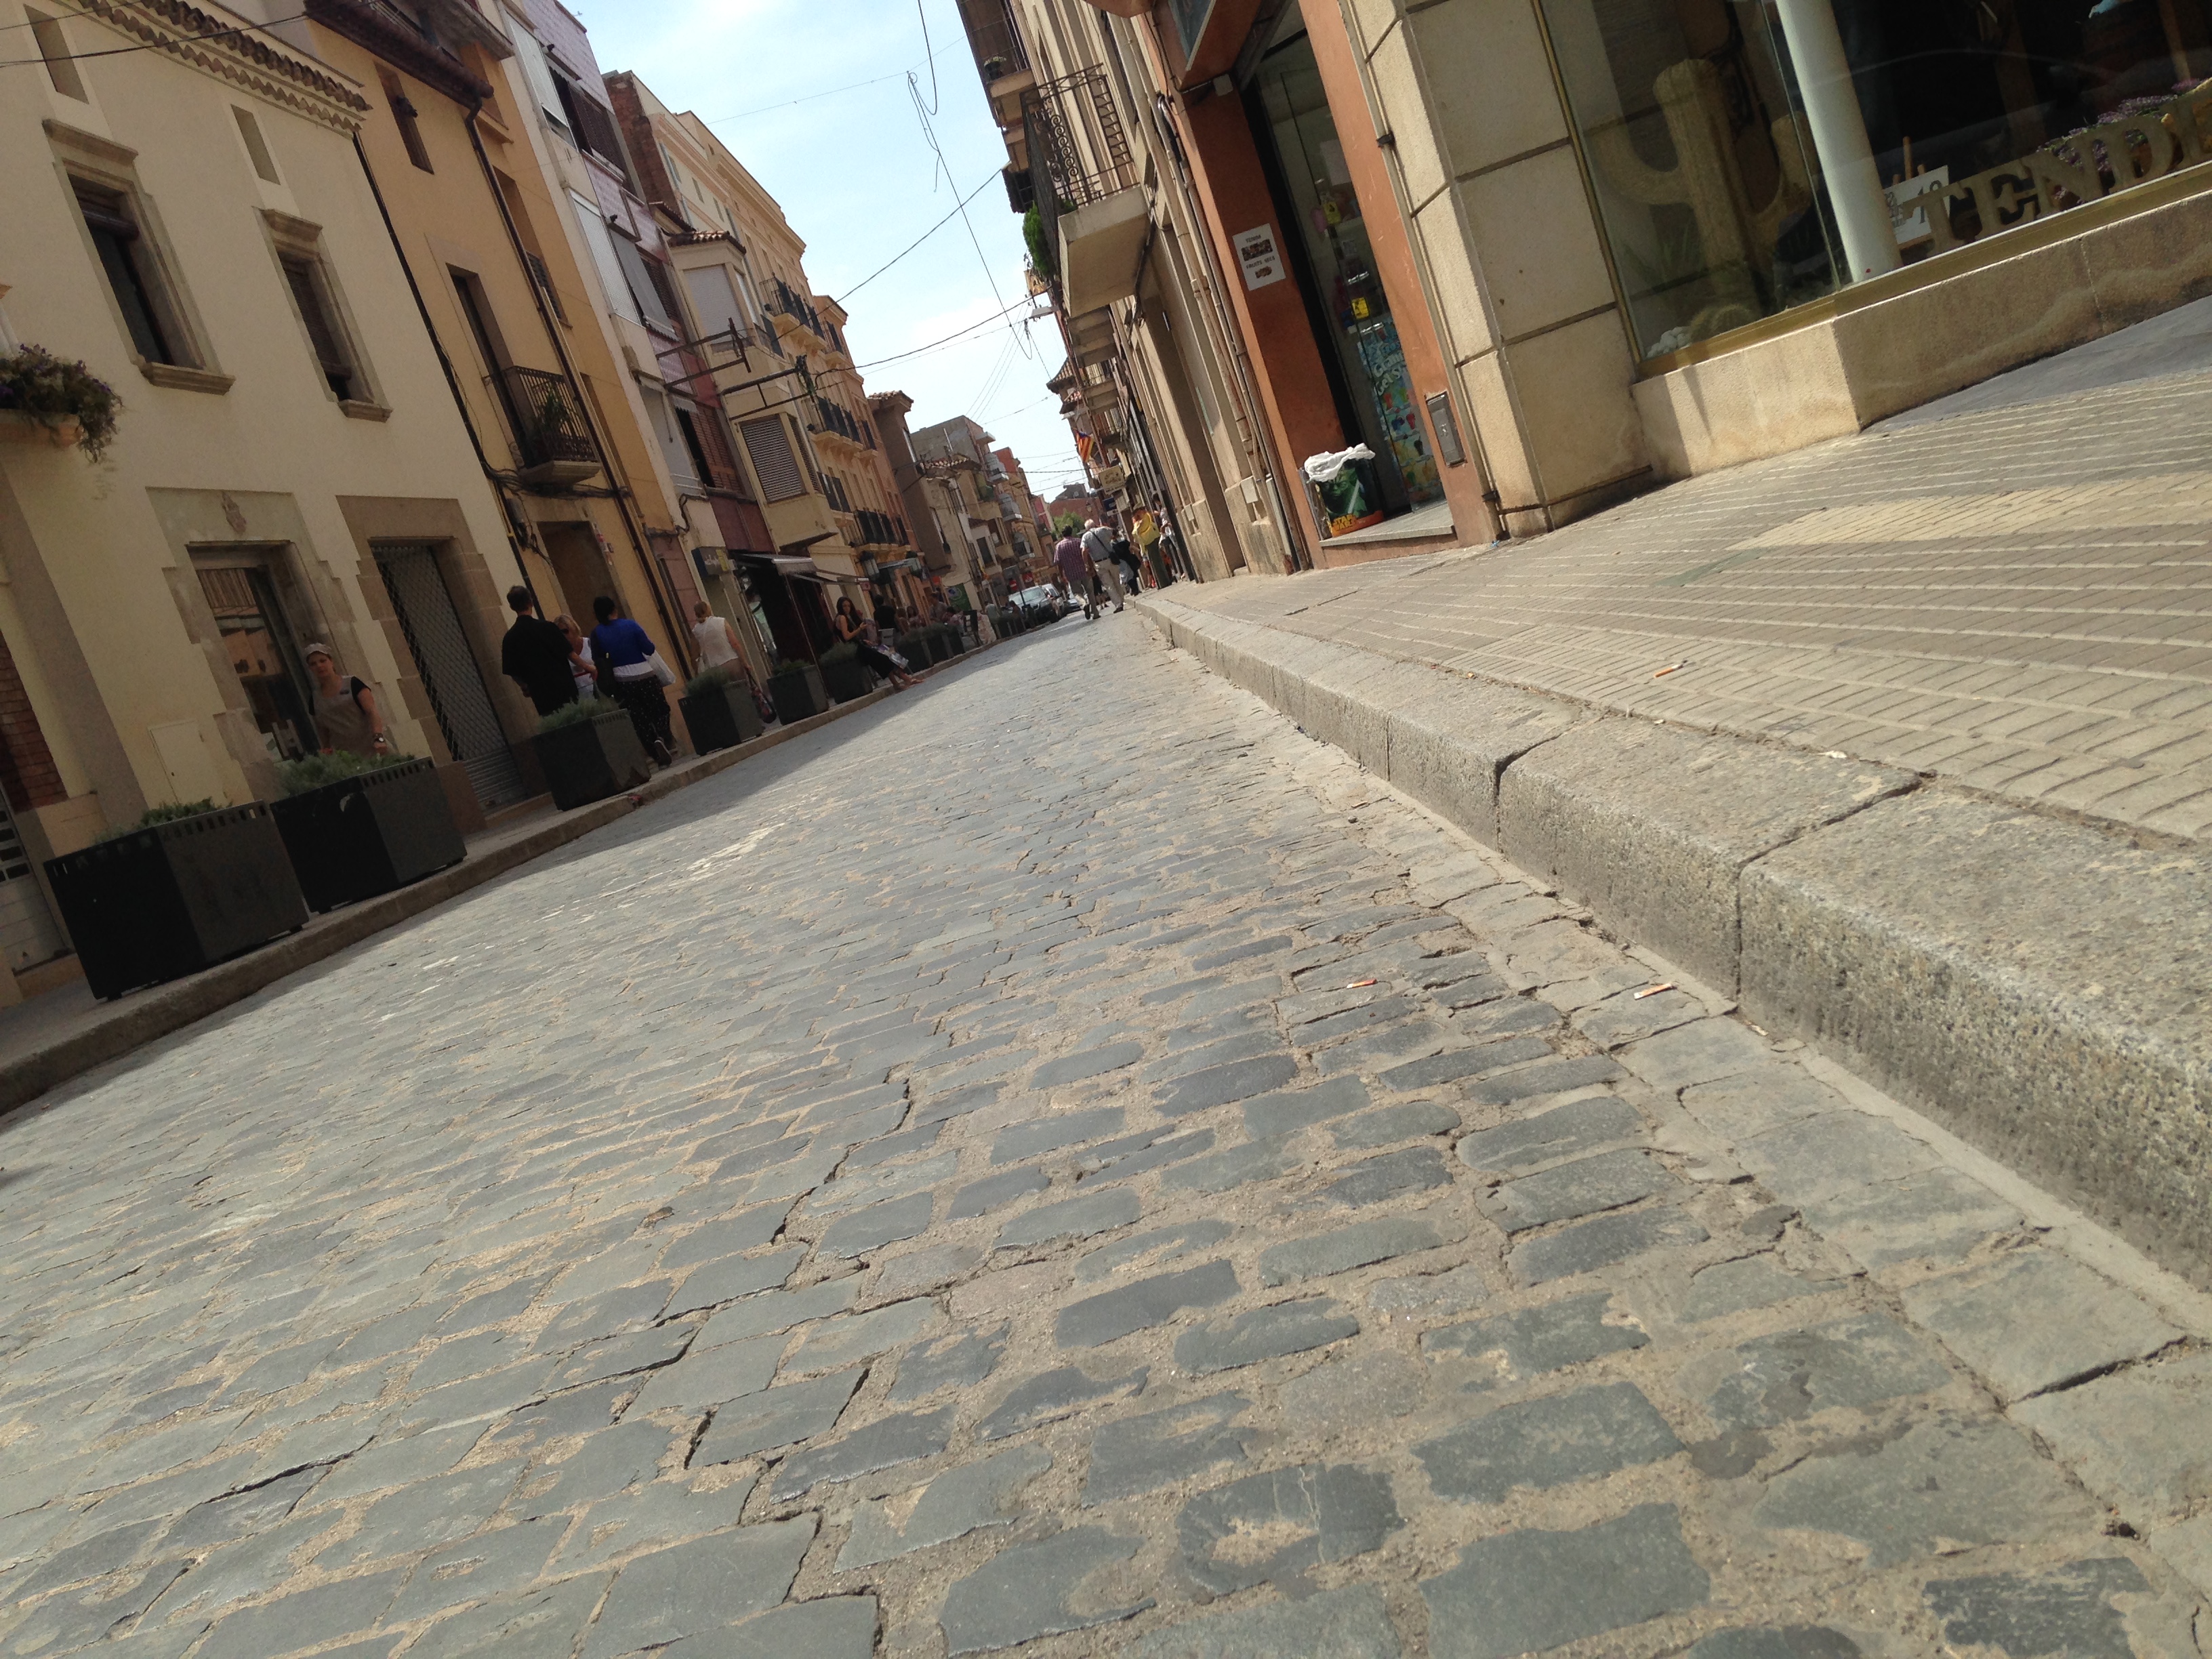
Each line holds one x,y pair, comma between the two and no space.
683,471
539,73
638,275
403,112
263,648
249,130
53,46
133,274
601,241
774,463
715,300
590,123
687,428
307,277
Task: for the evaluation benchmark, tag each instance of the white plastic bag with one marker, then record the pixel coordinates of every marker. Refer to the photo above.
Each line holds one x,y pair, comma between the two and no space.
1323,469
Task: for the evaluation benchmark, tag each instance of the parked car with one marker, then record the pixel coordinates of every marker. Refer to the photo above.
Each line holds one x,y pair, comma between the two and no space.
1042,604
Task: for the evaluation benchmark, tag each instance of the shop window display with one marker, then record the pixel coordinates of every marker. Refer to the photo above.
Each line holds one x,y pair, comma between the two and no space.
1749,155
1332,228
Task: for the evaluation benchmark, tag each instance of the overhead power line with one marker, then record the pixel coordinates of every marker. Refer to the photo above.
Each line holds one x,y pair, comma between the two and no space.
917,242
832,92
956,334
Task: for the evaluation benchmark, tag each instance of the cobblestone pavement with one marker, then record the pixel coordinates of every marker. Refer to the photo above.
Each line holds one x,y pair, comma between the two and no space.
1054,1163
2017,598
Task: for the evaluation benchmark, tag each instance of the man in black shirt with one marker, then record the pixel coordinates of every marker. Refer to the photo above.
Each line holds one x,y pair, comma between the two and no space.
535,655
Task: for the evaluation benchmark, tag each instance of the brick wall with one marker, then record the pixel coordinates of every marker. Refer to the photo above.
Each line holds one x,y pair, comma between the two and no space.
27,771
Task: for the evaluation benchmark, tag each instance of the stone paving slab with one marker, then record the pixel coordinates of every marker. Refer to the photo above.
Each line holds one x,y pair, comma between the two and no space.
557,1308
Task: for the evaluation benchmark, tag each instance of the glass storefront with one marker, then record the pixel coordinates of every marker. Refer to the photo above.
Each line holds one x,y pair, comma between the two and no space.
1333,237
1749,155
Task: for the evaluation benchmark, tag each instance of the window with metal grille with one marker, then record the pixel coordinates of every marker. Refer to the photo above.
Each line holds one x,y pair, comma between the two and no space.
774,463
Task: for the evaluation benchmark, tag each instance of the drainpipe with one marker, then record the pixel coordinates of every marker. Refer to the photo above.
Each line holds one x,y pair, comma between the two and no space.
677,636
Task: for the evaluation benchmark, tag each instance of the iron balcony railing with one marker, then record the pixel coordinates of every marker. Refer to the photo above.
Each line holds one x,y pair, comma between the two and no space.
793,305
835,417
1077,141
547,420
994,38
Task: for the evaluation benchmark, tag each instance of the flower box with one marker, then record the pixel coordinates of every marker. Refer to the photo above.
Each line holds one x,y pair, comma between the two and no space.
847,679
798,693
363,835
591,759
722,718
18,428
167,900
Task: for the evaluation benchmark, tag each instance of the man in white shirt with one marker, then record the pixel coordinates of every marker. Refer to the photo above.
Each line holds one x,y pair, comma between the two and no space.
1098,542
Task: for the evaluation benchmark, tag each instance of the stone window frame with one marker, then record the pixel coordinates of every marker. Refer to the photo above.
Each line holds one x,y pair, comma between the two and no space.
299,240
86,159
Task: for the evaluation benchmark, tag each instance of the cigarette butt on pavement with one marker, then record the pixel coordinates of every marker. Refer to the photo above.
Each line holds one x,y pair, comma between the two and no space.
1653,990
1357,983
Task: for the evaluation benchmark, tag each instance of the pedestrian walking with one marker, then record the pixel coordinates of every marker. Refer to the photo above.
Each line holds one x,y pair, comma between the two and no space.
1126,559
635,675
346,716
1075,570
1098,544
718,647
582,671
858,632
534,653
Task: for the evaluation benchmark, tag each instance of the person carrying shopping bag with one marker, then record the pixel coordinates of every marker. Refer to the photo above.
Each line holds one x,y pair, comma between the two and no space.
636,676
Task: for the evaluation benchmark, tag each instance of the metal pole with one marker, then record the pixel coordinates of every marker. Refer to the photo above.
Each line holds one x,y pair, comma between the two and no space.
1839,137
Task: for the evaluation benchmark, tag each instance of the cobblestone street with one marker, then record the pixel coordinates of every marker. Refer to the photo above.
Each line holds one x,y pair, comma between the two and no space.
1108,1178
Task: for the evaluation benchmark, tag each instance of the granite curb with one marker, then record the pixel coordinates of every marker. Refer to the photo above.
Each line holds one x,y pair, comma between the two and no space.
156,1012
2036,984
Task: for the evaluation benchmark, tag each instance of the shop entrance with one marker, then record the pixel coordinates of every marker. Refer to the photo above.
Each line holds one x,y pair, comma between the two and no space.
451,678
263,646
1336,265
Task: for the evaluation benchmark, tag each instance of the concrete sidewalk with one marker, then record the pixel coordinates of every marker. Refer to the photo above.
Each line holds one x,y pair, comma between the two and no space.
1848,672
2010,590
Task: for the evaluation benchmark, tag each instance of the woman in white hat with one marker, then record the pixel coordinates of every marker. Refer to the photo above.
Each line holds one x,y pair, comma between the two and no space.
346,714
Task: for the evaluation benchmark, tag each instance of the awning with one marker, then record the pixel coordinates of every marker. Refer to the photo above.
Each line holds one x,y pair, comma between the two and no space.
793,567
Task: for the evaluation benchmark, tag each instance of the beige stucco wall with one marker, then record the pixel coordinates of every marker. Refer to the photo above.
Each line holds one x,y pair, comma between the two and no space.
111,543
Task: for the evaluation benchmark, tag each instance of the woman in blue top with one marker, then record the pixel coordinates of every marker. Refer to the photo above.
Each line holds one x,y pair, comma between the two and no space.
628,672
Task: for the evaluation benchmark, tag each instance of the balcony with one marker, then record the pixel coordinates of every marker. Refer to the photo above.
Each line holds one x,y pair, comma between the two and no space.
834,418
1001,60
786,301
551,441
1096,209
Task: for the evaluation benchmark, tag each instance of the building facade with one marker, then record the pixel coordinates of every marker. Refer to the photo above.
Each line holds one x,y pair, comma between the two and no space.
195,224
1537,260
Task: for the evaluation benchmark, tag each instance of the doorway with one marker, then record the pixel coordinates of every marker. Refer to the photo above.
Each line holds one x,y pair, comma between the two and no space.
573,550
262,644
451,678
1336,263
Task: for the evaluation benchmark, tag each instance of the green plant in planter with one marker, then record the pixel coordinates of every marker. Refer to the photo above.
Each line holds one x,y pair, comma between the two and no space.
783,665
54,391
576,713
297,777
843,651
707,680
166,813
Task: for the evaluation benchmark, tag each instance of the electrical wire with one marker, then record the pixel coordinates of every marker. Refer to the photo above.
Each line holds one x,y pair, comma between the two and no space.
150,45
917,242
929,132
948,339
930,58
832,92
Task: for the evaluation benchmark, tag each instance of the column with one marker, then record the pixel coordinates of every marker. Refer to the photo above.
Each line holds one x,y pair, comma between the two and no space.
1839,137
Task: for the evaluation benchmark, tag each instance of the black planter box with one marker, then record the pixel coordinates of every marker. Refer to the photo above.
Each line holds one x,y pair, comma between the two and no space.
162,903
799,694
847,680
355,839
722,718
954,641
915,648
591,760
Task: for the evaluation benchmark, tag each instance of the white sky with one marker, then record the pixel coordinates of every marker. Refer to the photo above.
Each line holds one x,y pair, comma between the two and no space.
775,79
